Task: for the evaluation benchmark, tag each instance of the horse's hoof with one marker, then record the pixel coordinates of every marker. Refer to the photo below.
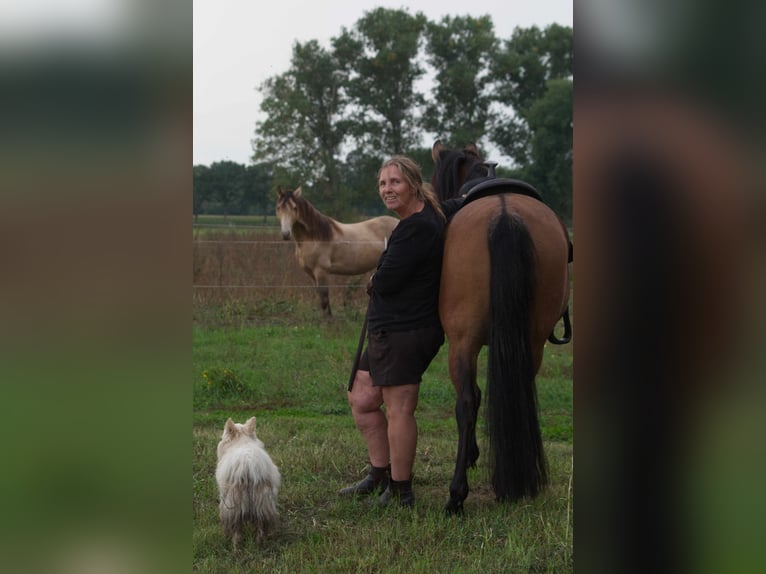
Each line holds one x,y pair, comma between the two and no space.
454,508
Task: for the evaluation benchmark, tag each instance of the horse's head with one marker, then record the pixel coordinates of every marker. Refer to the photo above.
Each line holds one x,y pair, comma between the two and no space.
452,168
287,210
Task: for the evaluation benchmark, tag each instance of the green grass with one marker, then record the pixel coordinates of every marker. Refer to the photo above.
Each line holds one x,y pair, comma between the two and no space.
291,372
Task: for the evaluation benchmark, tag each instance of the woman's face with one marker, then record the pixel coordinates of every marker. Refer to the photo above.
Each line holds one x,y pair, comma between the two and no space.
396,193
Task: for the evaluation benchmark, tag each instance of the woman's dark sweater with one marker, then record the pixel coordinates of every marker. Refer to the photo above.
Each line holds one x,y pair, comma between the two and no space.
405,286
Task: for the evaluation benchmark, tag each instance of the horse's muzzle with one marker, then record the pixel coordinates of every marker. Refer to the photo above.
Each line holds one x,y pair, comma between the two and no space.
285,235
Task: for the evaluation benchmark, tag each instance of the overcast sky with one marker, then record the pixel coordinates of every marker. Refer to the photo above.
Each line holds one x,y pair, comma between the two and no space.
240,43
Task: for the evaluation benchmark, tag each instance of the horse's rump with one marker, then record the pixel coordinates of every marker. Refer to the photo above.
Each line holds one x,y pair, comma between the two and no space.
464,286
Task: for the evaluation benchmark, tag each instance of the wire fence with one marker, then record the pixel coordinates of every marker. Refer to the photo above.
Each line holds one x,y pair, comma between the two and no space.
256,271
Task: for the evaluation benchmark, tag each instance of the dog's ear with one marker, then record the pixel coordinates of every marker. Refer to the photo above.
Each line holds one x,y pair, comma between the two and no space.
229,428
250,425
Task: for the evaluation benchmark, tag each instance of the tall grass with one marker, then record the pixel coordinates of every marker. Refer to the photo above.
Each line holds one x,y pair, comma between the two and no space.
291,372
260,347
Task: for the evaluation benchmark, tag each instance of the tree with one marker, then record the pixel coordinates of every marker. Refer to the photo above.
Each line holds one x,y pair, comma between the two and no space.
360,170
533,81
550,123
557,45
460,51
304,127
201,189
521,70
381,56
257,182
226,184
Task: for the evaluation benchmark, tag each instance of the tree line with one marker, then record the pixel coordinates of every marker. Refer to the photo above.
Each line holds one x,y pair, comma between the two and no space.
394,83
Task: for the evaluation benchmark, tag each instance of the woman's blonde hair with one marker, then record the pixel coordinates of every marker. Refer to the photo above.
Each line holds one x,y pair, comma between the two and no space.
413,175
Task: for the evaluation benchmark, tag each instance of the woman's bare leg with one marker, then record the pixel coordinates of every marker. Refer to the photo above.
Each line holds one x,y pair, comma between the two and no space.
401,402
365,401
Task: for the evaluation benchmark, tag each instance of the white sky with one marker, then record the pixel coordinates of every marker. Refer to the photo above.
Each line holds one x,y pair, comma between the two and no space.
240,43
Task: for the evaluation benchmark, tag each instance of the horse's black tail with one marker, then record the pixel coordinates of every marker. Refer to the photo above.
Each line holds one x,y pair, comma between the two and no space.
515,443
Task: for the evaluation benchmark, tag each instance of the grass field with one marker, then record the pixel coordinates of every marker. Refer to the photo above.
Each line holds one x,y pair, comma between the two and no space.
267,352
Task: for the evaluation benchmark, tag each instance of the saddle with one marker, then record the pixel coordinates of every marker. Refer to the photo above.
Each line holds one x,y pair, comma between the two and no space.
491,185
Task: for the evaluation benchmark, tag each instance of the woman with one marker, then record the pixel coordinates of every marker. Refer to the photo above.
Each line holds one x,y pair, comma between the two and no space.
404,332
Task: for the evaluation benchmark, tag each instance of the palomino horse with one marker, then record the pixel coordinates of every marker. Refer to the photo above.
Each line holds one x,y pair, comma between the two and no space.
505,284
325,247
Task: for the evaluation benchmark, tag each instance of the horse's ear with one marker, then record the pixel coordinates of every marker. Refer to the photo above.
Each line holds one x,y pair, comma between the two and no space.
279,191
437,147
297,192
471,148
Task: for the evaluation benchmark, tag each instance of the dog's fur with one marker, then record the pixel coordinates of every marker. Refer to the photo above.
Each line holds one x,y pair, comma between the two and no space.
248,482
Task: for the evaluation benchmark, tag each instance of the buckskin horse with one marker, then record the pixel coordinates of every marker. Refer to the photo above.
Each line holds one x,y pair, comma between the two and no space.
505,284
324,246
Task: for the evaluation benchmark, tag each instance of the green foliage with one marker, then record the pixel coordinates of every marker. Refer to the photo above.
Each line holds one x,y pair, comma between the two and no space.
460,49
256,189
222,384
201,189
550,120
304,124
527,61
226,182
228,187
360,169
533,75
422,156
380,54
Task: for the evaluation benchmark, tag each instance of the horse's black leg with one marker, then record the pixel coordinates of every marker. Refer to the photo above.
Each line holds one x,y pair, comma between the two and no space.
323,290
473,447
467,451
324,299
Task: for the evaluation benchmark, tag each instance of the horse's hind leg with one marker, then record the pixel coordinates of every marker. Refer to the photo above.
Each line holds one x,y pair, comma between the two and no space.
473,447
324,299
323,290
463,374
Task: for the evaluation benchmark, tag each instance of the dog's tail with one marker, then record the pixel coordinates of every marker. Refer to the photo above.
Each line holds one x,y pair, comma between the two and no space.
248,495
245,503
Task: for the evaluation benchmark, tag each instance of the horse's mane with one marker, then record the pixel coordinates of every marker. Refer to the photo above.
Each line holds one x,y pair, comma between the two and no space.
318,226
447,177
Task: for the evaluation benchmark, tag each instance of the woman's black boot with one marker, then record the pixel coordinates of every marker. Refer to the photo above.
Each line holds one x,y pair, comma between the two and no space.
400,491
375,481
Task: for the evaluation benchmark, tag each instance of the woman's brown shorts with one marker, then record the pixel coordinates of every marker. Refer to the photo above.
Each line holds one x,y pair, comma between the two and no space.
400,357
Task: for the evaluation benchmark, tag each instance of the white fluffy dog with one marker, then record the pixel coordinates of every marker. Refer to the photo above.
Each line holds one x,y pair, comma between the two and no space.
248,482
